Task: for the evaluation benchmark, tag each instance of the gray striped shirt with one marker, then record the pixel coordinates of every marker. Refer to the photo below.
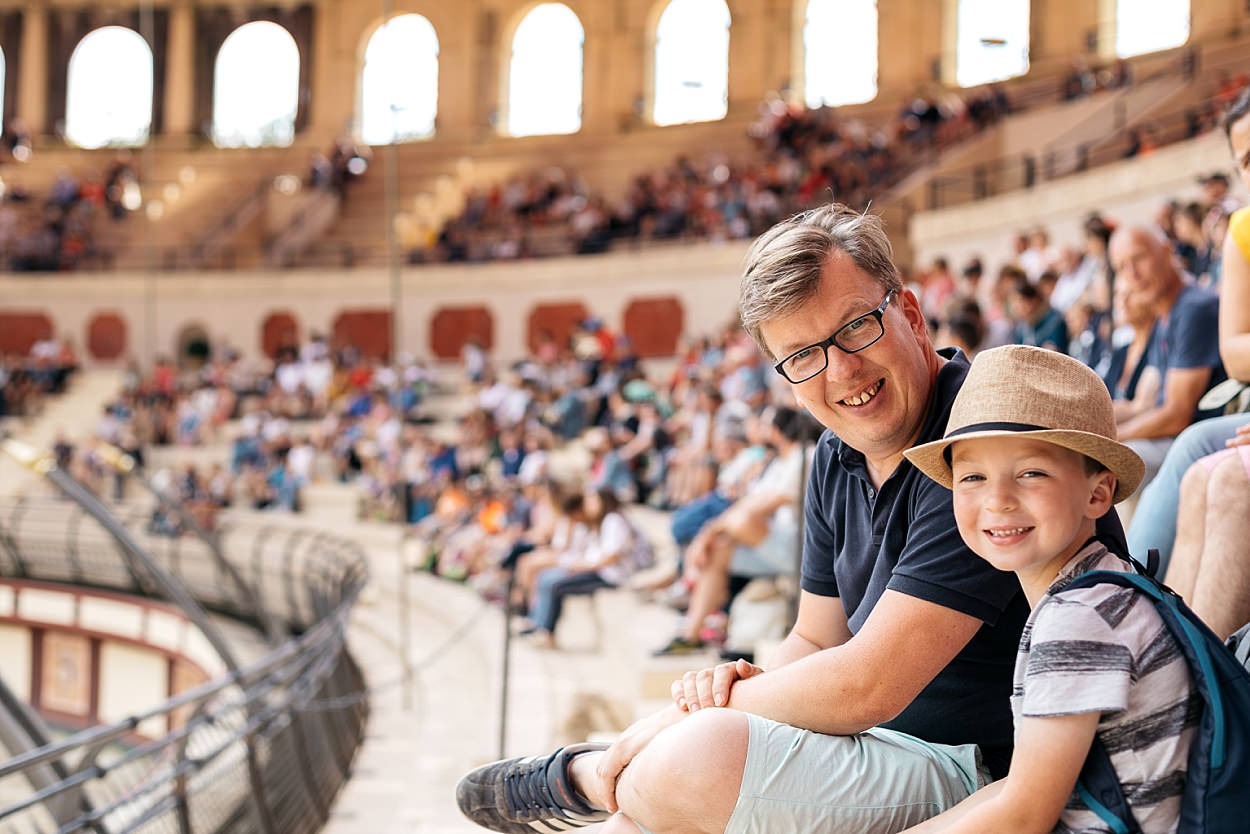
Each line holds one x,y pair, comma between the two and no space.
1105,649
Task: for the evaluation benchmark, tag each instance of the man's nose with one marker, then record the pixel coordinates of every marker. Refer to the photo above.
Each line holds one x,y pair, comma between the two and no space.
841,365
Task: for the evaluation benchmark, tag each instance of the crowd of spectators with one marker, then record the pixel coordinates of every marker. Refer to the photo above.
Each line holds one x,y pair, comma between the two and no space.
1138,303
59,231
26,380
801,157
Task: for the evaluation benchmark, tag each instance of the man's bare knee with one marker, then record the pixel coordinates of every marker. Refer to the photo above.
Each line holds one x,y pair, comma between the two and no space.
1194,482
687,779
1228,483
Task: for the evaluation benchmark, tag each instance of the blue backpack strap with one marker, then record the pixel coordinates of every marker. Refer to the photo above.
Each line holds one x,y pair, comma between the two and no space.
1099,788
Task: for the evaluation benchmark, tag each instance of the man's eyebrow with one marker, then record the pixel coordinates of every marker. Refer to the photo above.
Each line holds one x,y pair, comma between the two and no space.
793,347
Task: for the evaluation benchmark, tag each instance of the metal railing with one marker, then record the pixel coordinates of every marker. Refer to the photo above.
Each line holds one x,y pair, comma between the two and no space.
1174,118
262,748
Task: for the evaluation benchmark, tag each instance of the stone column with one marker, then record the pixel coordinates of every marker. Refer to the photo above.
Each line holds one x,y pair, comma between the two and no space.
180,71
32,91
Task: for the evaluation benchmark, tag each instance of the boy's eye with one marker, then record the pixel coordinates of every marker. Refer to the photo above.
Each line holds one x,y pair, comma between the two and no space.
1033,473
970,477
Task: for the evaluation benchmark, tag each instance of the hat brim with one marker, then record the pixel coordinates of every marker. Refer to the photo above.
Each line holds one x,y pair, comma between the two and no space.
1123,462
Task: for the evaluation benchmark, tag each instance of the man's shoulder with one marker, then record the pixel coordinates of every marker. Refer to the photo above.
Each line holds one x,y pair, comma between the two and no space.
1195,301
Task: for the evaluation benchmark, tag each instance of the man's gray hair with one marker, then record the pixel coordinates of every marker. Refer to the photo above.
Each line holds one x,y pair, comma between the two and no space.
784,265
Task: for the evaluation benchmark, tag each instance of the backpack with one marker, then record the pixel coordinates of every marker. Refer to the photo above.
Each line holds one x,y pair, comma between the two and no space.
1217,783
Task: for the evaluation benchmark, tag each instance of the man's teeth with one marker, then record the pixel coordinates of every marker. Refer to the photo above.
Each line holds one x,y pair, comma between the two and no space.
1014,531
864,396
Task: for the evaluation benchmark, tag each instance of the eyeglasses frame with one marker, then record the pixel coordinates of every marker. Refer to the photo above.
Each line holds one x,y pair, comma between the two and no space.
832,341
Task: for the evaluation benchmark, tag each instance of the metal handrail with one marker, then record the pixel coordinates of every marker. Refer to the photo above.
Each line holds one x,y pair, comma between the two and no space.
301,706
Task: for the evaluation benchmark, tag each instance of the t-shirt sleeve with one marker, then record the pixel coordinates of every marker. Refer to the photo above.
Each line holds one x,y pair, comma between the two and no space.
935,565
614,534
1075,664
1193,334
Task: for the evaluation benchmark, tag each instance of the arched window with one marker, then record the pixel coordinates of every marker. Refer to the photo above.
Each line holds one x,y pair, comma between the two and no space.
545,74
108,99
840,52
692,62
1143,26
992,41
256,87
399,81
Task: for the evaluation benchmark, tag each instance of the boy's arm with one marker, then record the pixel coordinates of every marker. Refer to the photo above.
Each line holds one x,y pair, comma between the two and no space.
1047,760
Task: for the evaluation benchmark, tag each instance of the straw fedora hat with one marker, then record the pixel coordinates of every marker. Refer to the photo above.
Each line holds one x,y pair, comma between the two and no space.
1018,390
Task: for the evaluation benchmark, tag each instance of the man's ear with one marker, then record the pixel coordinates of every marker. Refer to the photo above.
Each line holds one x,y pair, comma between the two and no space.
1102,494
910,305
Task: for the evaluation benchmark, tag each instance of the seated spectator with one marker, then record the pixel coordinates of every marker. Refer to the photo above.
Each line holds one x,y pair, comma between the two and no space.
1185,350
1202,259
608,470
558,540
1037,323
738,459
1134,384
1195,513
1208,562
614,550
756,536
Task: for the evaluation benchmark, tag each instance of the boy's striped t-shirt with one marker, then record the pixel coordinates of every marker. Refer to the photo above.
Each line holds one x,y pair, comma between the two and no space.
1105,649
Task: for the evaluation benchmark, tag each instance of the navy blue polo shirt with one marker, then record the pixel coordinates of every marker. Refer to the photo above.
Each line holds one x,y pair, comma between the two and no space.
860,541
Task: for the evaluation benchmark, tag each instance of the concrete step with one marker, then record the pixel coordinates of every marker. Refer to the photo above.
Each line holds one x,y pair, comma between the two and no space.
73,413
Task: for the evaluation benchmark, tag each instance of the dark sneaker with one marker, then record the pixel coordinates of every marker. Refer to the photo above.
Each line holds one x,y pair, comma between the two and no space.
528,795
679,645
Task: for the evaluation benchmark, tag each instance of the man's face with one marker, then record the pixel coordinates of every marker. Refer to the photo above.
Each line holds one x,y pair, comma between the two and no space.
1214,190
1145,266
874,400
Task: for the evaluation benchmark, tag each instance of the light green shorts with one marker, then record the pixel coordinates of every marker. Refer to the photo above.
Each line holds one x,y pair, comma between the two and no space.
872,783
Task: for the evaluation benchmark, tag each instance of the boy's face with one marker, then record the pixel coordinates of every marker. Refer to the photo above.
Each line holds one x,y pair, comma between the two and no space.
1025,505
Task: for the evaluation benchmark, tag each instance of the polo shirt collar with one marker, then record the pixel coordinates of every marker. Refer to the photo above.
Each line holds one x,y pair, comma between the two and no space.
949,379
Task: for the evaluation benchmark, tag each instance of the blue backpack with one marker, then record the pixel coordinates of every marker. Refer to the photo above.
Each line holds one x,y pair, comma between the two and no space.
1217,783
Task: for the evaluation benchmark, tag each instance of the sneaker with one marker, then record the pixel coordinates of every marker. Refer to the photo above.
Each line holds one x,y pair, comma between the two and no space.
528,795
677,646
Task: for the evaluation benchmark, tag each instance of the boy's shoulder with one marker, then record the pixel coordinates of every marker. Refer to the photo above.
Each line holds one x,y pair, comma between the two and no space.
1103,607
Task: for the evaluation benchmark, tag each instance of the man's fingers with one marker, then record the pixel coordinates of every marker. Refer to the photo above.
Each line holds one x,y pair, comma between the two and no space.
723,677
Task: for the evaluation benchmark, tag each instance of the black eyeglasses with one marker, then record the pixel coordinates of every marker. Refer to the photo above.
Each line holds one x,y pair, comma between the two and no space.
852,337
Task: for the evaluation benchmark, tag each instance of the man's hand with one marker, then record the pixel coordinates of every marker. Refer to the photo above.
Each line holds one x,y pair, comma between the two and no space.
617,757
710,687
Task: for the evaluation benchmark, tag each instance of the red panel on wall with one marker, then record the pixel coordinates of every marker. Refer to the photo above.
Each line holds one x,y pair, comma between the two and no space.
369,331
18,331
279,330
654,325
106,336
560,320
451,327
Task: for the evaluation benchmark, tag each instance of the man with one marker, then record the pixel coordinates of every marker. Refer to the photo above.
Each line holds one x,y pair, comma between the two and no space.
1184,349
1221,203
898,626
757,535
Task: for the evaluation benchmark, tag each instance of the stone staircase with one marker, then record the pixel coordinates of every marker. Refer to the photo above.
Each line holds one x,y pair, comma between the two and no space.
74,413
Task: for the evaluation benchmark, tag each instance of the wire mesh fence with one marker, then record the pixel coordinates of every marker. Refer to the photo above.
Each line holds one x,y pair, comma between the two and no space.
263,747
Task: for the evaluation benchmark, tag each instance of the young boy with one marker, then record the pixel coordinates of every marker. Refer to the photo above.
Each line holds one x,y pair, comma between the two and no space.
1030,458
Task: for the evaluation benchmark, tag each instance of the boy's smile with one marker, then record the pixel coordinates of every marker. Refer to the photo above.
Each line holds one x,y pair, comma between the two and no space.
1025,505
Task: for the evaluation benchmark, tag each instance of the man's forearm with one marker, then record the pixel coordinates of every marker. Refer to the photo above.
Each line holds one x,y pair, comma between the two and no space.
793,647
1157,422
